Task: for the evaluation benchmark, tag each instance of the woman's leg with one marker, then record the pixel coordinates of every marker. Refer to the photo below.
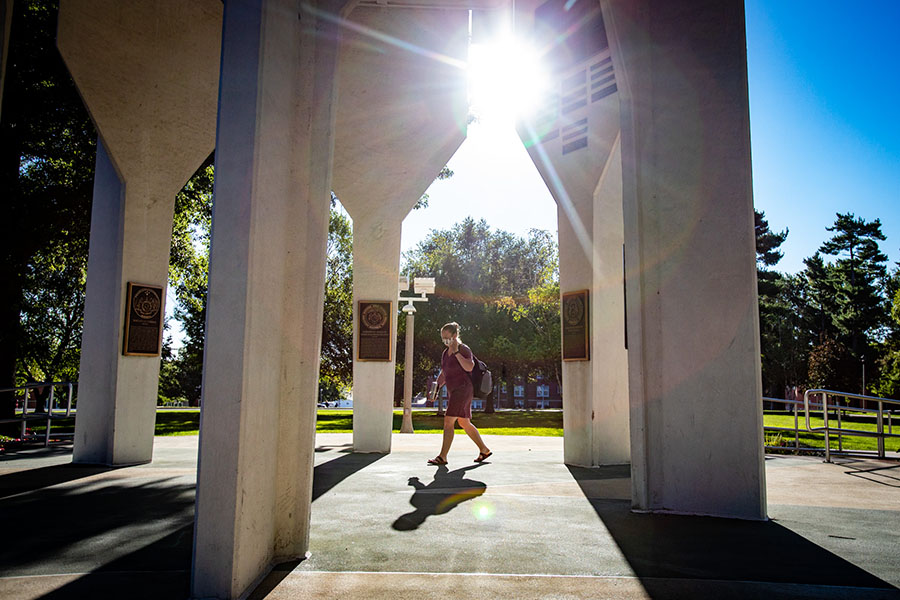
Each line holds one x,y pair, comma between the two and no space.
472,432
449,423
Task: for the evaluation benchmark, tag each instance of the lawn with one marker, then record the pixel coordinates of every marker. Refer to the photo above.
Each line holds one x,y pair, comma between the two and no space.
513,422
521,422
817,440
187,422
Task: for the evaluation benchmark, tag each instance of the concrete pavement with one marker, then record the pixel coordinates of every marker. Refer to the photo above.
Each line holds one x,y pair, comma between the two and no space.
521,525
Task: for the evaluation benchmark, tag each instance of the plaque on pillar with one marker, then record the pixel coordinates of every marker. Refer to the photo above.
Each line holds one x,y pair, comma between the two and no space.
374,325
143,320
576,330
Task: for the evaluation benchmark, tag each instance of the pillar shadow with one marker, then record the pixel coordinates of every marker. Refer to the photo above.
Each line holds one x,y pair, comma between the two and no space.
884,475
161,569
663,548
33,450
448,490
328,474
70,525
273,579
31,480
343,448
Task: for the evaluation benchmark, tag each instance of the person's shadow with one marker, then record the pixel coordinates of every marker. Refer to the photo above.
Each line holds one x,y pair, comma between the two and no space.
442,495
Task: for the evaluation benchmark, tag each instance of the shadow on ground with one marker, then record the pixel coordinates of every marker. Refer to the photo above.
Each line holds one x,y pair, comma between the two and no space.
886,475
158,570
30,480
132,533
329,474
447,491
660,548
19,450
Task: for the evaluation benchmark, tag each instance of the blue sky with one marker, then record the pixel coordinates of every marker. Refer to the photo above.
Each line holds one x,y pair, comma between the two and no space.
824,94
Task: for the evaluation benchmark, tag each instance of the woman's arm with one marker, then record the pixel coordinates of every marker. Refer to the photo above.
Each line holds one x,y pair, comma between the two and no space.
466,363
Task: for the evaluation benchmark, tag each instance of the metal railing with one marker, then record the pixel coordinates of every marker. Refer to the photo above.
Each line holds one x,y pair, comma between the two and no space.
796,404
840,430
833,412
48,416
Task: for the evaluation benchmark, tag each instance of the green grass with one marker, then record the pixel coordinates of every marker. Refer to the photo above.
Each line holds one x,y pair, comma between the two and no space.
817,440
168,422
520,422
187,422
178,422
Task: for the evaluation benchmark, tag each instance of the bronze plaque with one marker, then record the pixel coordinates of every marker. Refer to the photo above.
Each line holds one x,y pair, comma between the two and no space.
576,330
374,325
143,320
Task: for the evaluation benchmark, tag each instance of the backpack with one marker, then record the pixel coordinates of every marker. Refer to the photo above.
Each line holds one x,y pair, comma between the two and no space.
482,381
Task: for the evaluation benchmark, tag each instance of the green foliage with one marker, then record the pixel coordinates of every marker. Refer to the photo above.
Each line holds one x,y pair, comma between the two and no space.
767,255
422,202
776,345
887,384
500,288
832,367
47,150
856,280
336,368
181,372
818,327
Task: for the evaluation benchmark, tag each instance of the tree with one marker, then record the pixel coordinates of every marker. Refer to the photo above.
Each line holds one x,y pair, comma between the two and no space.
768,255
445,173
336,368
181,372
483,277
47,149
887,383
831,366
774,309
858,281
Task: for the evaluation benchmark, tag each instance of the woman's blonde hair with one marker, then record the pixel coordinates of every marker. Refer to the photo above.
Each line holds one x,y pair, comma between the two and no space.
452,327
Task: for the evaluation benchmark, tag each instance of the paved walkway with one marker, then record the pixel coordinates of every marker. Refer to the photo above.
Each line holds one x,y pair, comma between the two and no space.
522,525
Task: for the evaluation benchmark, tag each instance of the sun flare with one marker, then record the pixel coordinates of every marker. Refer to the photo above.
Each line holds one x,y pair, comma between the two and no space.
506,81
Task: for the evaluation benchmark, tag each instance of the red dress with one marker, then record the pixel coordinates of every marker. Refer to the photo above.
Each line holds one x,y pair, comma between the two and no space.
459,384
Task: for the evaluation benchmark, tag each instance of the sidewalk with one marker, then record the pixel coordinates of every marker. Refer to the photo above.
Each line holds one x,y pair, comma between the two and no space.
521,525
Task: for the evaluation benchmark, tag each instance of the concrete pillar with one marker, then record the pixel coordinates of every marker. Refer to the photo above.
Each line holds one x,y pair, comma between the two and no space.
694,363
151,92
130,238
131,234
102,319
266,287
611,442
401,116
376,269
573,139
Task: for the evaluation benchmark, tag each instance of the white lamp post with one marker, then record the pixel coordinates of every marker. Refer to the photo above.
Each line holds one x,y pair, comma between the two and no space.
421,286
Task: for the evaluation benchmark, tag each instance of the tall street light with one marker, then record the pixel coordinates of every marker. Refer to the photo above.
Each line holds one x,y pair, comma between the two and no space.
422,286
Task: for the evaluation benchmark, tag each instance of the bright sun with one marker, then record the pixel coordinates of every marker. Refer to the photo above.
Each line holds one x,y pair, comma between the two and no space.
506,81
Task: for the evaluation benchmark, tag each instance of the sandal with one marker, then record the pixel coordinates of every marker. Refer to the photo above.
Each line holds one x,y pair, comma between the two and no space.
437,461
482,457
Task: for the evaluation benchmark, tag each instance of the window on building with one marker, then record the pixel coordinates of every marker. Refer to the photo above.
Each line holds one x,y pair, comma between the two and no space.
519,391
543,391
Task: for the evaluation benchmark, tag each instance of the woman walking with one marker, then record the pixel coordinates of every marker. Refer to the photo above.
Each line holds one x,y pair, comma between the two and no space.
456,364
